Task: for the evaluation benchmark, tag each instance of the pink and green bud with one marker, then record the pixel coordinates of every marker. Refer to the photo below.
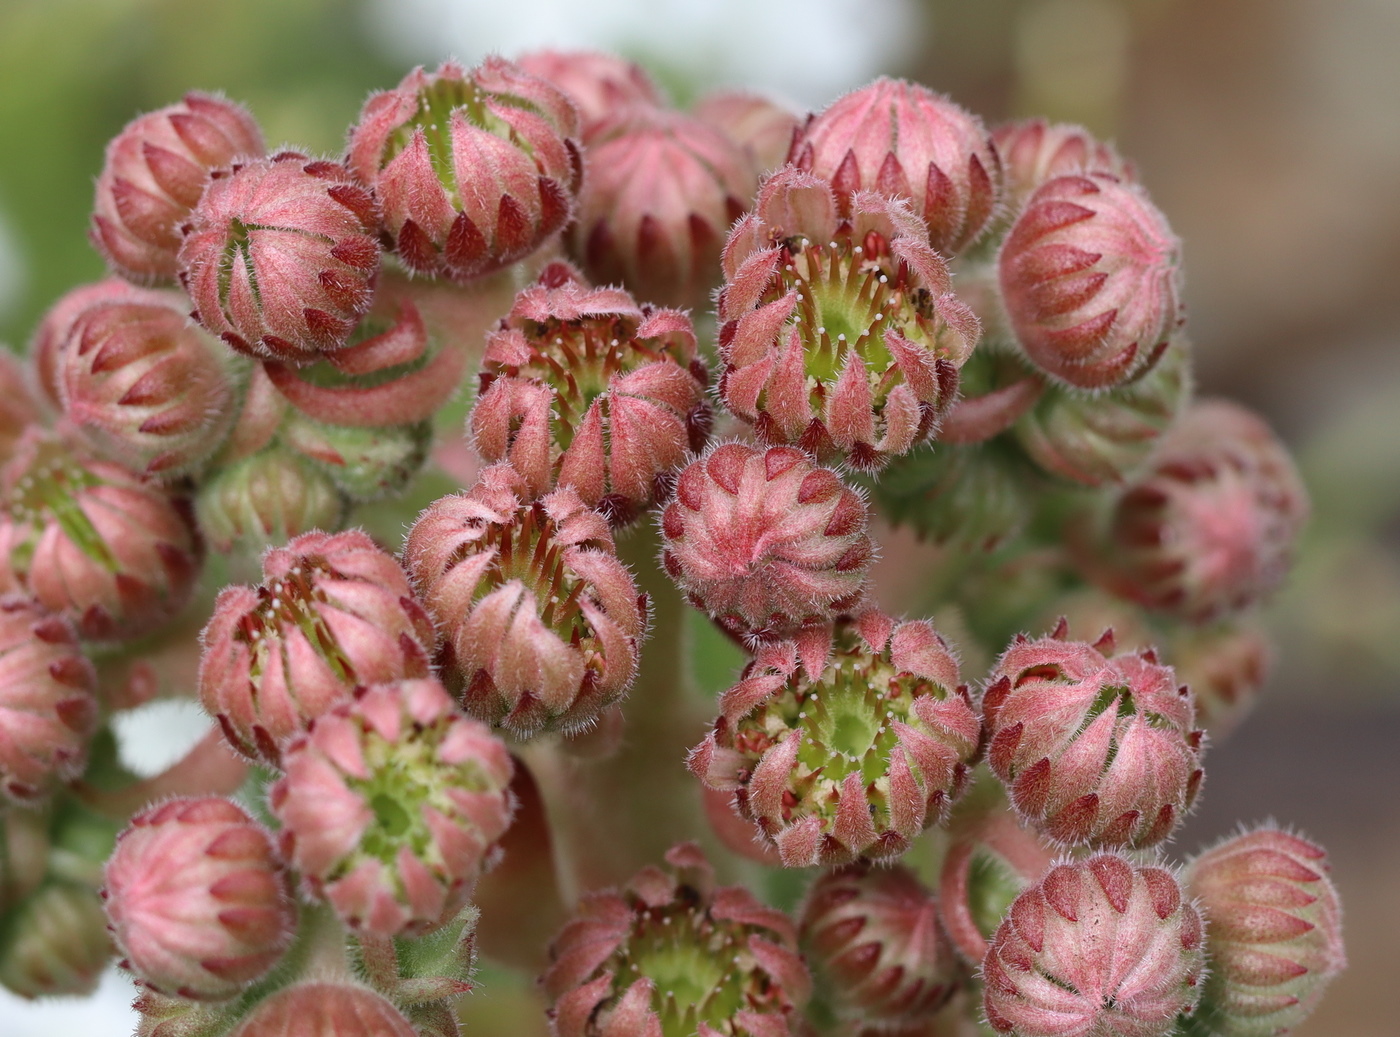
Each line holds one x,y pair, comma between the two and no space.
109,551
48,707
765,541
392,805
154,173
281,256
1093,749
144,386
1227,666
758,124
1210,528
840,335
1107,437
1034,152
266,499
902,140
582,387
872,937
1090,277
323,1009
55,944
600,85
847,758
334,611
365,464
46,345
1274,931
663,188
542,622
1097,948
975,496
671,956
197,899
474,169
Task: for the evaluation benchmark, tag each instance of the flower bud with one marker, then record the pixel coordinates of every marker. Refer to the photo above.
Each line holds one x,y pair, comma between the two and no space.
145,387
838,335
975,496
1209,529
662,190
1091,281
391,806
671,954
334,611
100,546
266,499
280,256
1274,932
581,387
761,126
474,169
46,344
18,407
765,541
48,708
872,937
1098,948
55,943
365,464
902,140
541,620
1034,151
323,1009
24,854
1108,436
1093,750
197,899
1226,667
850,759
154,173
600,85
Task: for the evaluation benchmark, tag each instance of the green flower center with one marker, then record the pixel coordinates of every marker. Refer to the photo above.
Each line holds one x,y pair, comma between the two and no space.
50,491
528,551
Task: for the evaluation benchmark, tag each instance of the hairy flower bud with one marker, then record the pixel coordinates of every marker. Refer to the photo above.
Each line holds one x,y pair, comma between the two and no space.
324,1009
839,335
280,257
266,499
902,140
1097,948
334,611
48,710
662,190
582,387
975,496
365,464
93,542
1034,151
760,125
853,757
1209,529
670,954
1274,934
391,806
154,173
600,85
197,898
474,169
55,943
52,334
145,387
765,541
542,622
1090,275
1092,749
871,936
1226,666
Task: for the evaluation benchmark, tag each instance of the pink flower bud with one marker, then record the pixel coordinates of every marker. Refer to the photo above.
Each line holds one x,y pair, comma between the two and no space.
100,546
1093,750
838,335
760,125
600,85
280,256
392,805
474,169
266,499
542,622
902,140
1097,948
55,943
1210,528
334,611
1274,931
581,387
322,1009
197,899
766,541
1227,667
872,937
662,190
851,758
154,173
46,345
1034,151
1090,276
671,954
145,387
48,711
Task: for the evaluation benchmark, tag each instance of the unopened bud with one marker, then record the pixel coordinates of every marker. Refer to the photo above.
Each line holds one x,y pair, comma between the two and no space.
1034,151
324,1009
600,85
265,500
975,496
365,464
55,943
1226,666
760,125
